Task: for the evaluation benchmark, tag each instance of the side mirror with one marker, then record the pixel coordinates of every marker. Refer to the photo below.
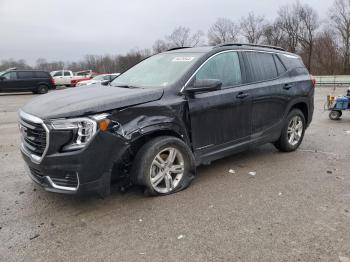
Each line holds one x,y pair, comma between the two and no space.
205,85
105,82
2,78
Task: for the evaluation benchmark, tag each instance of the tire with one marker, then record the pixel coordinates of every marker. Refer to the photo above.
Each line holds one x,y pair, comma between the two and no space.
292,133
42,89
159,175
335,114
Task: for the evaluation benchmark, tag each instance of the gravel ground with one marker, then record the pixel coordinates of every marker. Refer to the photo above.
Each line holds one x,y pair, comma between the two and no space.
296,207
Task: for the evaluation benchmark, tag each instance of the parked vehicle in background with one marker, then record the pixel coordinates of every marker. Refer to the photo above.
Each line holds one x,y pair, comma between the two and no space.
36,81
65,77
155,123
105,78
74,82
86,73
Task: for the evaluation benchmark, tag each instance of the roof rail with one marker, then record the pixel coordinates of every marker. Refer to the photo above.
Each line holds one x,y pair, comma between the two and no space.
177,48
253,45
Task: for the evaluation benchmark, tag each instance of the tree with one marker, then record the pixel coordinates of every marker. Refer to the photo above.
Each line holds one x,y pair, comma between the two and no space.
309,24
340,20
11,63
160,46
223,31
252,27
274,35
42,64
288,20
182,37
327,59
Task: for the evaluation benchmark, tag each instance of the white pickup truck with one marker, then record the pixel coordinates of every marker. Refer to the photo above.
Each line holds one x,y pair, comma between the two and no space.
65,77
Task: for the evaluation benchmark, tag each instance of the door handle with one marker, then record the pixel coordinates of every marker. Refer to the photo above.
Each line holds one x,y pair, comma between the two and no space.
288,86
242,95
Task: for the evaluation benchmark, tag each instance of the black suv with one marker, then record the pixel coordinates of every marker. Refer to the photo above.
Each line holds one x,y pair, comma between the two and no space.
156,122
38,82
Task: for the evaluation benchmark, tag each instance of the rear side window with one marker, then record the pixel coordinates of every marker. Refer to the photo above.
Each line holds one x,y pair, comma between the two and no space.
66,73
260,66
224,67
41,75
291,61
280,67
25,75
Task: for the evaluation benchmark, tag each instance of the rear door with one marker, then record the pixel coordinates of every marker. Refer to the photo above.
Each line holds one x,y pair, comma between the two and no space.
222,118
9,83
265,79
42,77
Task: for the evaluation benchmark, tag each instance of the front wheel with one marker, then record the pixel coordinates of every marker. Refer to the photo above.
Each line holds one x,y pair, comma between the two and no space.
293,132
163,165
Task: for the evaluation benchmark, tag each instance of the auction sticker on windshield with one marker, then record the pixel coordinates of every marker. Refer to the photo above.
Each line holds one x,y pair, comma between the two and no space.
183,59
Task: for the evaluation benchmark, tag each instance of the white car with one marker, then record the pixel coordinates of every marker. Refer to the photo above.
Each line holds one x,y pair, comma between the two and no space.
65,77
98,79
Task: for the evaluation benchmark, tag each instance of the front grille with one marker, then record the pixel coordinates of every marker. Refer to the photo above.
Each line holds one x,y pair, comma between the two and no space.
70,180
33,137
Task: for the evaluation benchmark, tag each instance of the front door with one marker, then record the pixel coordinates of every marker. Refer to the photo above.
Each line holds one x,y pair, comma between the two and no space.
8,82
221,118
58,78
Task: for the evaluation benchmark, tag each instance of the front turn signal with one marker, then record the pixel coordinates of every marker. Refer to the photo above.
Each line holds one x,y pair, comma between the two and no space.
104,124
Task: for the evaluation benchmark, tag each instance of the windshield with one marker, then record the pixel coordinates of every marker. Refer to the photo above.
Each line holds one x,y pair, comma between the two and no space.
160,70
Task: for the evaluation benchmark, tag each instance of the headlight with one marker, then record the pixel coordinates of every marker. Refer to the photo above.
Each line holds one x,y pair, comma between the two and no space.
83,128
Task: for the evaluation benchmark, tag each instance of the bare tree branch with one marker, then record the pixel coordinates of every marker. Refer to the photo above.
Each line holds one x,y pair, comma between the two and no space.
223,31
252,27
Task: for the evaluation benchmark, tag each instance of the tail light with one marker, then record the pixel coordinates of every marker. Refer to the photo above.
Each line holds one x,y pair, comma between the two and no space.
53,81
313,80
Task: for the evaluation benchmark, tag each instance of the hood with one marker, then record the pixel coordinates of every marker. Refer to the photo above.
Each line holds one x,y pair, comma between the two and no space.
85,100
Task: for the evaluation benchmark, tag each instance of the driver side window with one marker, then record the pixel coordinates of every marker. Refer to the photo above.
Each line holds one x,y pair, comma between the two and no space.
10,76
224,67
59,73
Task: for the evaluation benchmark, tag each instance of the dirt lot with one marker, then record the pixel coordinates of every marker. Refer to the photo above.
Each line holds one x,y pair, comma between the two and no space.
296,208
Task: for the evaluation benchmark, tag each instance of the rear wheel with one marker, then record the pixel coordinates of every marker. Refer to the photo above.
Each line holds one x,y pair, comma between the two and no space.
293,132
163,166
42,89
335,114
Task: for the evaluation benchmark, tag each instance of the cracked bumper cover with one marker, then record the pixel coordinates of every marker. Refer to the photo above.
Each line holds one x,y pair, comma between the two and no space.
82,171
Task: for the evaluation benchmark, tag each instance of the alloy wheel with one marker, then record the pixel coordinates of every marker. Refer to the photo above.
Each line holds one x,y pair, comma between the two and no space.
167,170
295,130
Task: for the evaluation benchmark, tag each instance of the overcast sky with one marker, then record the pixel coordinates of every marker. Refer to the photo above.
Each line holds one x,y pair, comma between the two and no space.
69,29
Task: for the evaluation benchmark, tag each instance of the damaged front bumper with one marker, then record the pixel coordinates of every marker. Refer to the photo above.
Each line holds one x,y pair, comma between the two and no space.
82,171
